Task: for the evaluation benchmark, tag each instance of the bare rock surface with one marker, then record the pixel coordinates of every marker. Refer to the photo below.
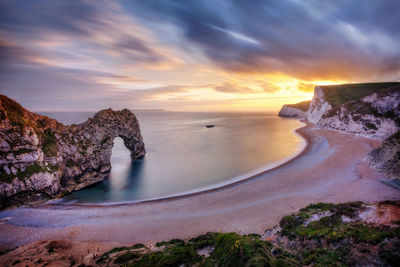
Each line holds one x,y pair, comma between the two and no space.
387,157
41,158
376,115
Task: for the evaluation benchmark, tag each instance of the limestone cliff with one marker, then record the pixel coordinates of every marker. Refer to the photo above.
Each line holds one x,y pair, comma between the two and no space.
371,110
294,110
387,158
41,158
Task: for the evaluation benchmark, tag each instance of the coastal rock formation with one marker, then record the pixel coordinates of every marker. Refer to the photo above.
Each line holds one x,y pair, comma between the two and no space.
319,106
294,110
371,110
387,158
41,158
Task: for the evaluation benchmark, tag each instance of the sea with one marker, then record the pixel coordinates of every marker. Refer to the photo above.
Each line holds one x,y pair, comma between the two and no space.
184,156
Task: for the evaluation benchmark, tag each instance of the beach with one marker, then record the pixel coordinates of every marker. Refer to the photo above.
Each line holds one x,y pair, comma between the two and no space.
330,169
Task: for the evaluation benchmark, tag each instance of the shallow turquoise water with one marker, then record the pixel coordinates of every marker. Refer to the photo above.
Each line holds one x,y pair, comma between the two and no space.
185,156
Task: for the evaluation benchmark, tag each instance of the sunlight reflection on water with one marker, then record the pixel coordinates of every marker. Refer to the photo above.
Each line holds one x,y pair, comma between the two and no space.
183,155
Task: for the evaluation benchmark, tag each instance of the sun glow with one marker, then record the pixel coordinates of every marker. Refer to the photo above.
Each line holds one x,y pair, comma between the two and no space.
264,92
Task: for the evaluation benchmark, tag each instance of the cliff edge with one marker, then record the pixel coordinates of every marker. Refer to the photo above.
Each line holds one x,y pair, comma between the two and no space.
371,110
367,109
41,158
294,110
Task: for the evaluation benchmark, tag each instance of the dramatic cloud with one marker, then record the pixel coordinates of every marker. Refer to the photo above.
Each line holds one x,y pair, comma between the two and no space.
82,54
305,39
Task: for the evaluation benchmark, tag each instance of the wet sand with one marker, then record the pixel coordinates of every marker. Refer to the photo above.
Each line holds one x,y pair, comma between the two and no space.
330,169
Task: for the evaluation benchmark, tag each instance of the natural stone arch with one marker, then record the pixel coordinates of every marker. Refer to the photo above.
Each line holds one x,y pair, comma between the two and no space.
97,135
42,158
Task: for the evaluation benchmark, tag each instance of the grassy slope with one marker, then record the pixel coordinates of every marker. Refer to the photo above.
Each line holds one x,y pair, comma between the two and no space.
358,108
337,95
302,105
325,242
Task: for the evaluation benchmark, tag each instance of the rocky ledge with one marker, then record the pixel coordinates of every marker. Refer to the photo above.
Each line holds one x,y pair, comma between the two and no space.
41,158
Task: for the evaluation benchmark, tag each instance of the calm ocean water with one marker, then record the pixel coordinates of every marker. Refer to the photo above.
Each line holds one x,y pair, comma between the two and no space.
185,156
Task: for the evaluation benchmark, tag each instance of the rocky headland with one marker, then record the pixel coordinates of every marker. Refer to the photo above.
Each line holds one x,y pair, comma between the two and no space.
368,109
371,110
295,110
41,158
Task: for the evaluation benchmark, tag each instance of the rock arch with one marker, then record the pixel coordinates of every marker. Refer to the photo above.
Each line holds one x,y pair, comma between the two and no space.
41,158
94,141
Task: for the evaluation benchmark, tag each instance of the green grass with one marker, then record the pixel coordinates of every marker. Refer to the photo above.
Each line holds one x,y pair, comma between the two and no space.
332,229
49,143
324,242
232,249
203,241
170,256
337,95
302,105
119,249
14,111
322,257
126,257
229,249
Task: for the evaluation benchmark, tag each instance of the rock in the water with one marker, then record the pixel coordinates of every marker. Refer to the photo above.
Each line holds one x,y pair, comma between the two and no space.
41,158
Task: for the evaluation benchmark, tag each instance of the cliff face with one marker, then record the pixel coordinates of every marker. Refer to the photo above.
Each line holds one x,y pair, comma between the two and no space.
375,115
387,158
294,110
318,107
41,158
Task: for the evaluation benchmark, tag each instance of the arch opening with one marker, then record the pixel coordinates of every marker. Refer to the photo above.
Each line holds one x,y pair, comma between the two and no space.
120,164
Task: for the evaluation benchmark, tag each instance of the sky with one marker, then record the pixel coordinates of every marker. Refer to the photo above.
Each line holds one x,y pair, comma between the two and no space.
194,55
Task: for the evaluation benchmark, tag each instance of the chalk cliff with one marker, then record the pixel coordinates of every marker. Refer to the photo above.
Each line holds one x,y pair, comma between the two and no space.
294,110
387,158
371,110
41,158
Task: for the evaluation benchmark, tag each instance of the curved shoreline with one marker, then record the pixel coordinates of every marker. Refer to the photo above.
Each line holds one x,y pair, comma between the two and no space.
329,169
301,132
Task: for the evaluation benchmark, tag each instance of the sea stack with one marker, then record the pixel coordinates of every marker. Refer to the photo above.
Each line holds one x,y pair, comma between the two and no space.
41,158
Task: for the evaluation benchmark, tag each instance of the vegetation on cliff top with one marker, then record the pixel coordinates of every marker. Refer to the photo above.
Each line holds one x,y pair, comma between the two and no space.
18,117
360,108
303,106
337,95
14,112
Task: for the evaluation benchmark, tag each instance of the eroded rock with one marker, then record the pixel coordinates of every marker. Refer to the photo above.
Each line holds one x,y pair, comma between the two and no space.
375,115
41,158
387,157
